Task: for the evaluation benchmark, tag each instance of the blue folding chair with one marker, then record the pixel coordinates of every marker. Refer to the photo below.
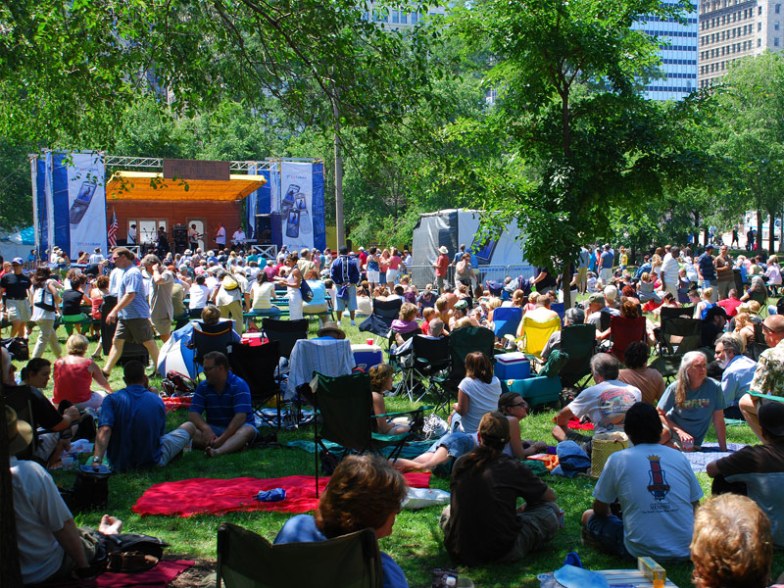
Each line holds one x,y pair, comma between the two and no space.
506,319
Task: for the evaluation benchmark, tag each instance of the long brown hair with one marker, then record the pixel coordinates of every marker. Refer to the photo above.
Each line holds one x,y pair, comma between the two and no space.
479,366
493,437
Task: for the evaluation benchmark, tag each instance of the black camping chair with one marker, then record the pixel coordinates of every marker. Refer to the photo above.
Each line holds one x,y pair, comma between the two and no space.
248,560
345,407
207,338
287,333
380,322
579,343
675,338
428,361
19,398
461,343
668,312
258,366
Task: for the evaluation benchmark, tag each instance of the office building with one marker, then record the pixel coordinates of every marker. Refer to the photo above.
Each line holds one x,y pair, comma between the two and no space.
732,29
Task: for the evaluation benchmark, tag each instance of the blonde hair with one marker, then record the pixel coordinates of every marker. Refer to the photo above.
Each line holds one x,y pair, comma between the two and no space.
408,311
732,546
76,344
707,293
379,374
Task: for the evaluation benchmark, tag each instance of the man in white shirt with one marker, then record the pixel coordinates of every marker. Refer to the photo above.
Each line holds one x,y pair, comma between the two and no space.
669,271
238,238
220,237
605,403
50,544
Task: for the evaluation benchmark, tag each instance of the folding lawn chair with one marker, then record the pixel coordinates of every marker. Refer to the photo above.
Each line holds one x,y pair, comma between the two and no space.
248,560
380,322
506,319
345,408
207,338
285,332
579,343
624,332
427,360
676,337
258,366
537,334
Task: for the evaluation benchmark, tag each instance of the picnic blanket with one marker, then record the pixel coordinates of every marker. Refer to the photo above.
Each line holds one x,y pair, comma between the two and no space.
186,498
158,577
699,460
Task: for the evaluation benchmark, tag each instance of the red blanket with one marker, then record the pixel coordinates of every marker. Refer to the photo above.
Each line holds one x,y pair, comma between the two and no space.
577,425
158,577
216,496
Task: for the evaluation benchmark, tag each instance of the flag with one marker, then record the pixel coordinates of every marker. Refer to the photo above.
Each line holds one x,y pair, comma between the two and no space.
113,228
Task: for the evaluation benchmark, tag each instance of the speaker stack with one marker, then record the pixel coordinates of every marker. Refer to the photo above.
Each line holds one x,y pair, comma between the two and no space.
180,236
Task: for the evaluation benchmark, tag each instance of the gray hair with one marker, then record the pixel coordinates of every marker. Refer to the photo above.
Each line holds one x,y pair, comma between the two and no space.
732,343
605,365
681,387
151,259
575,316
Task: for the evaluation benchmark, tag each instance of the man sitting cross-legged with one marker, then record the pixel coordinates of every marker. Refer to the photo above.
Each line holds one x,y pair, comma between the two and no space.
657,491
132,427
225,398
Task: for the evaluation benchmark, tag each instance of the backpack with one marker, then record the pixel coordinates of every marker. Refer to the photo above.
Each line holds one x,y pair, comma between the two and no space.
306,291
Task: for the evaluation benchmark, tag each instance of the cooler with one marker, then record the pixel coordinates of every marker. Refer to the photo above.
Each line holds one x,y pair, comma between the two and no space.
366,356
512,366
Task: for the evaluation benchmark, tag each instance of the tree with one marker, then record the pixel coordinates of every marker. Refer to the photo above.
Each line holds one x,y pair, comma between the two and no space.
749,136
567,77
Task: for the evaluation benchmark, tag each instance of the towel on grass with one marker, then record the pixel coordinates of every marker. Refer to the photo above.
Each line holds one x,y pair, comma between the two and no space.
410,450
575,424
709,452
158,577
186,498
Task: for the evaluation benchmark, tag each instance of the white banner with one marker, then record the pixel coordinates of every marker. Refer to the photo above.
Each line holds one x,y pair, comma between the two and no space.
86,203
296,204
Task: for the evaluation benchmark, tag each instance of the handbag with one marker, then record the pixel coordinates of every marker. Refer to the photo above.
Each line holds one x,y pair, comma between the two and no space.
306,291
44,299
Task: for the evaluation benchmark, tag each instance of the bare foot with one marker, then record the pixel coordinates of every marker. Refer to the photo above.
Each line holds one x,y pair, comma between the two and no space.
110,525
211,452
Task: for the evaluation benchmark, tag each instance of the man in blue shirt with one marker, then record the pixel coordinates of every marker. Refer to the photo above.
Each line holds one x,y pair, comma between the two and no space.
706,269
225,398
738,373
132,427
132,313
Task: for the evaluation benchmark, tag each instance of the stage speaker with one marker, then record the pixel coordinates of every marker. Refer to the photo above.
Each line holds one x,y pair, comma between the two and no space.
180,237
263,228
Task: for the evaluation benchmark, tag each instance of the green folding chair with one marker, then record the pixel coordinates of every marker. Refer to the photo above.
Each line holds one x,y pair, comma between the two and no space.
248,560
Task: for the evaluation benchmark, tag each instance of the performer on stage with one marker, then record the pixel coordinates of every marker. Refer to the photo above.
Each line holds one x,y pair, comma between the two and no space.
193,238
132,240
238,238
163,242
220,236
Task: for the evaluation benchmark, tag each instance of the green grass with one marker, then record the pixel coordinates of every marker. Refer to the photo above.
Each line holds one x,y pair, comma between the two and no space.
416,543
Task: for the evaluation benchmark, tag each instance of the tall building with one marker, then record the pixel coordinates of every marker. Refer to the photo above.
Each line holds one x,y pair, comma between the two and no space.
678,49
732,29
396,18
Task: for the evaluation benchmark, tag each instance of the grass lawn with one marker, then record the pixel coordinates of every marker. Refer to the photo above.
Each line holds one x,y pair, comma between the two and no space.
416,543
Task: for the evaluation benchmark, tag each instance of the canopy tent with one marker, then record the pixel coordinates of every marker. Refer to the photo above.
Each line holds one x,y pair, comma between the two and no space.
128,185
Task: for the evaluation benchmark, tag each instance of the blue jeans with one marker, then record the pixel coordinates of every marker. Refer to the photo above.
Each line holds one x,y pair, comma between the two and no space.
608,532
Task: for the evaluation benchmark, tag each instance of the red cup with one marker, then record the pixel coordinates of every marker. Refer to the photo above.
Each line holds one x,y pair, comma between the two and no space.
370,341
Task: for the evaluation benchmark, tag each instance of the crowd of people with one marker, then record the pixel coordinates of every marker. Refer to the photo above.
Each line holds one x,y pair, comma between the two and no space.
644,501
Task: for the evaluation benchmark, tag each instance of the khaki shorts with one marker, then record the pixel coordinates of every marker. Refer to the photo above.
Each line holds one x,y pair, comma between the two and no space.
162,325
18,310
137,330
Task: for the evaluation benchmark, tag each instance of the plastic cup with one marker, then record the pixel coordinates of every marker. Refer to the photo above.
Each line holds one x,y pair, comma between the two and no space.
370,341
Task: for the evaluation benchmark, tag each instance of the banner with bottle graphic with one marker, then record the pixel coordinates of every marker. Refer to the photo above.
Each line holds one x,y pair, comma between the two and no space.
70,202
294,197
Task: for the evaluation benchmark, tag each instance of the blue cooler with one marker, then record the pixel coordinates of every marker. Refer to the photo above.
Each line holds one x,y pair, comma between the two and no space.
512,366
366,356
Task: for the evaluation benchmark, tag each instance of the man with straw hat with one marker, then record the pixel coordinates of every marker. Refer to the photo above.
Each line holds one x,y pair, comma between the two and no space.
50,544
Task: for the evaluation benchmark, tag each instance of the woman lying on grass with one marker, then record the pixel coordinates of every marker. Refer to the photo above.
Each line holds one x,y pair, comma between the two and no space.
453,445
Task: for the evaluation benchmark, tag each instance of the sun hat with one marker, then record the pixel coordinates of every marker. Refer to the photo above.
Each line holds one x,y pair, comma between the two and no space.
20,433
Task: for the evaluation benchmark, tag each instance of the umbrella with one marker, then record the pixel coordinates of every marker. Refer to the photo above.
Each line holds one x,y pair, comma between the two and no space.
175,355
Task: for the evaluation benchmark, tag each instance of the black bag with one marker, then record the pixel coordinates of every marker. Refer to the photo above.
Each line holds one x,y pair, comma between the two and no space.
43,298
124,552
306,291
17,347
90,492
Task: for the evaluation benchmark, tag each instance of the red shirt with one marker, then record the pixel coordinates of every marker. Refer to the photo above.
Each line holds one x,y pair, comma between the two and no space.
442,263
730,306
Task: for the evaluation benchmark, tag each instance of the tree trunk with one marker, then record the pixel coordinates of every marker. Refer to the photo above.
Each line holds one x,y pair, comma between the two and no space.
771,232
758,236
10,574
340,228
566,280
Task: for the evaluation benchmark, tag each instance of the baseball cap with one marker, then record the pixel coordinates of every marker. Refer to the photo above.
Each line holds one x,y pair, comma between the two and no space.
596,297
771,418
17,261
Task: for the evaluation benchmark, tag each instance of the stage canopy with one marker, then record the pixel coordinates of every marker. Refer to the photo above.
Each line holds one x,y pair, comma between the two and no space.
128,185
